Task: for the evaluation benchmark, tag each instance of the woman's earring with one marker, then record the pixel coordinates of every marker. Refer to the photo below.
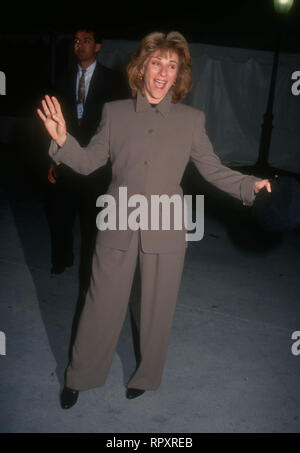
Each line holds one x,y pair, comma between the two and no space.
140,76
174,83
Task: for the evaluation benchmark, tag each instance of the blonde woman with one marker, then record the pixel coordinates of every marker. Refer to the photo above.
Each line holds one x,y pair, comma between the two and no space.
149,139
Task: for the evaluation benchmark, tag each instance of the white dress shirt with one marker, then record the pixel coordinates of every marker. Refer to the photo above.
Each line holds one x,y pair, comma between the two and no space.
87,79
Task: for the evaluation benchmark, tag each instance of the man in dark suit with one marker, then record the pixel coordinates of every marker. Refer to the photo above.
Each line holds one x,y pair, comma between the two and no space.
82,93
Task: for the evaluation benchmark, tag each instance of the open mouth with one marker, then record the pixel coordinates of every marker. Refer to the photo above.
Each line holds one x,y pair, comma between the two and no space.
160,84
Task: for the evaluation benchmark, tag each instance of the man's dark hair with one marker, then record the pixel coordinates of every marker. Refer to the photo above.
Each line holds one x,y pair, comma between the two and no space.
90,29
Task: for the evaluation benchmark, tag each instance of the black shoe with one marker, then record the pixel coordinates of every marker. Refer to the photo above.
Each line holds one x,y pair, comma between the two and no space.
59,268
134,393
68,398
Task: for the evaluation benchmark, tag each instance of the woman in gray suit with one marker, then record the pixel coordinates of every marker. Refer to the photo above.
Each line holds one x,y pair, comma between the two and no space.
149,139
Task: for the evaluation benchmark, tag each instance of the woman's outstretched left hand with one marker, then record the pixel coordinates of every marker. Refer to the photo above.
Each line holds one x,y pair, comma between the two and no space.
262,183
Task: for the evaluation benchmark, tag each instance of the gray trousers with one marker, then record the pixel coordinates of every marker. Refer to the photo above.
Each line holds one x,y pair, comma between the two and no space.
105,309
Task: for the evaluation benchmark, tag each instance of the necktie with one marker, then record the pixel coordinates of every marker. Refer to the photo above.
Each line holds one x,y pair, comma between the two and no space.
81,88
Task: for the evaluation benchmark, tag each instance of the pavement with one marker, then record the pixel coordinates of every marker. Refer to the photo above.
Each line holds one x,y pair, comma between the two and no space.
230,366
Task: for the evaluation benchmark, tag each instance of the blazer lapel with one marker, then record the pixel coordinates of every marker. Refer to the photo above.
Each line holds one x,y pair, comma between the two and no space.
95,88
72,92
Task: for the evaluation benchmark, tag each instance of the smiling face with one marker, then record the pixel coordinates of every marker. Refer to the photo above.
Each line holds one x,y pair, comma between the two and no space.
160,72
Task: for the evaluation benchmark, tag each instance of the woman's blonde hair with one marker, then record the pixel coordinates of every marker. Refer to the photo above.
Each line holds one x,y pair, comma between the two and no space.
174,42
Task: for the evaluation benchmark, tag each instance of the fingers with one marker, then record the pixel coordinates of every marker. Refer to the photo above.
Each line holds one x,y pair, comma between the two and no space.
51,108
55,110
52,111
266,183
52,174
50,105
56,105
41,115
47,113
51,179
261,184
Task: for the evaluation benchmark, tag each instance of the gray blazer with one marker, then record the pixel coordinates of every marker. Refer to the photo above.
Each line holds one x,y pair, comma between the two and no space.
149,149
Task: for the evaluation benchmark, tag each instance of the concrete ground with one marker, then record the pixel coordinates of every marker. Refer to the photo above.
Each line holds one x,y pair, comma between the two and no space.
229,368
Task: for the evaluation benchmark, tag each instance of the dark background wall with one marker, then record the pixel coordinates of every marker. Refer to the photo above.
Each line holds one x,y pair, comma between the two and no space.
231,22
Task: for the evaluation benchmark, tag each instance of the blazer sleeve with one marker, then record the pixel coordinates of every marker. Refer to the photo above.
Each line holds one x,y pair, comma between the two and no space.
84,160
210,167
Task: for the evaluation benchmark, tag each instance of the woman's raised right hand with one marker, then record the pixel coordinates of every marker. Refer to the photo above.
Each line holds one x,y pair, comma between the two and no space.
53,119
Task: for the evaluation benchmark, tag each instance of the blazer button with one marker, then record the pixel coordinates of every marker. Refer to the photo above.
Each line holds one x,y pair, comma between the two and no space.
150,131
146,162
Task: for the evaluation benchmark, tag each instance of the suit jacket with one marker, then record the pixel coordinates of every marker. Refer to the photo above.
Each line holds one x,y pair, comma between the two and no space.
106,85
149,149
